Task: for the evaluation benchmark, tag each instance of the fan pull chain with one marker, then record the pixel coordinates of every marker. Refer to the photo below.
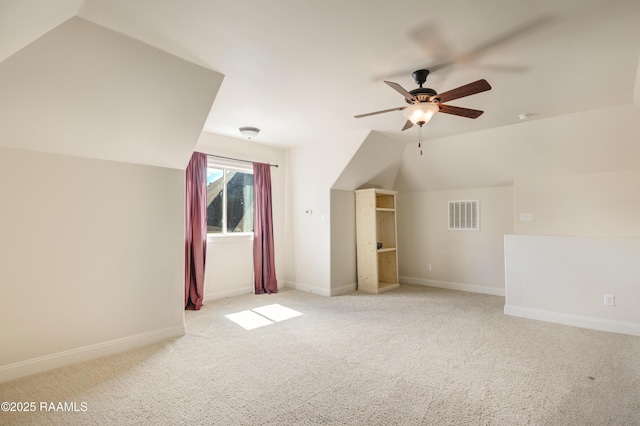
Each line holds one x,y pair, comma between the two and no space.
420,139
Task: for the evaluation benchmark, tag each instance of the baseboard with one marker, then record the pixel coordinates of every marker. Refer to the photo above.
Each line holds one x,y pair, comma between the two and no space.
343,289
208,297
86,353
321,291
574,320
470,288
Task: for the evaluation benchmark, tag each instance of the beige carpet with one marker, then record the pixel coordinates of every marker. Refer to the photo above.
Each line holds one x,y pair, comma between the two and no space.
414,356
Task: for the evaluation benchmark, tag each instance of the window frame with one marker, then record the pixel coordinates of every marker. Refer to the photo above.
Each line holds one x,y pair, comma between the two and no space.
225,165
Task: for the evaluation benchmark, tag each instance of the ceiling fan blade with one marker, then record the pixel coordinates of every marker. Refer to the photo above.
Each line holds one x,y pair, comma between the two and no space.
423,35
428,37
379,112
509,36
462,112
407,125
395,86
462,91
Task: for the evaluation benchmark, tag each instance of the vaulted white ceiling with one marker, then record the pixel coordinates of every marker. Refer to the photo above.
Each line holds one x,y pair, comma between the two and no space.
300,70
84,90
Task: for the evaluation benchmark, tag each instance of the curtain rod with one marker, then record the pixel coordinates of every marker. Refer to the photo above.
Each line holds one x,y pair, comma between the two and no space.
237,159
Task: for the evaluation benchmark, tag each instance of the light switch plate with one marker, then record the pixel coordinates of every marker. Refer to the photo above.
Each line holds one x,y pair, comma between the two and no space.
526,217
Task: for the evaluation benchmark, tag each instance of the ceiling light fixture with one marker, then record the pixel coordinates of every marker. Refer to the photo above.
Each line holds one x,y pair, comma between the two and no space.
249,132
420,113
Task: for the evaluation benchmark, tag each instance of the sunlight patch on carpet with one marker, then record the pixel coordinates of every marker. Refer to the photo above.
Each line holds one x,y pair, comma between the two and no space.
264,315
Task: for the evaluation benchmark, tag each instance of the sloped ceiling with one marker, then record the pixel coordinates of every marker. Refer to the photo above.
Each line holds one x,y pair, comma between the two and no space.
84,90
300,70
595,141
292,66
22,22
374,165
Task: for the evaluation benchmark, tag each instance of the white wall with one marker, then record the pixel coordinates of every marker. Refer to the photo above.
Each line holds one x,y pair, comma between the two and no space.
596,204
308,239
564,280
598,141
460,260
343,242
313,169
576,173
91,258
583,242
229,265
92,251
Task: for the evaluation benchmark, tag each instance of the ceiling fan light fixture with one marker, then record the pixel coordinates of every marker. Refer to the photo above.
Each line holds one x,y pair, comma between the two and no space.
420,113
249,132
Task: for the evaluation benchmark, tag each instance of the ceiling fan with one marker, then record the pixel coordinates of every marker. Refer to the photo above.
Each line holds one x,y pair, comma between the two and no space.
425,102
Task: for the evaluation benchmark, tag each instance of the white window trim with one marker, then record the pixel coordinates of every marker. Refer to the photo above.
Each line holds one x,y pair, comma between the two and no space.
229,238
224,164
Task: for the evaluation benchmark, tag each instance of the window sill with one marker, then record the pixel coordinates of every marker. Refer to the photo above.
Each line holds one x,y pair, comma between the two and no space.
228,238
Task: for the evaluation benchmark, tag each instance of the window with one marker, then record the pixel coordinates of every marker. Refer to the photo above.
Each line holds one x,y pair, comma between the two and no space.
464,215
229,198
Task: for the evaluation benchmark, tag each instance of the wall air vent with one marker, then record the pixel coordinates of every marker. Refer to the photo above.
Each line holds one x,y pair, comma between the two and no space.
464,215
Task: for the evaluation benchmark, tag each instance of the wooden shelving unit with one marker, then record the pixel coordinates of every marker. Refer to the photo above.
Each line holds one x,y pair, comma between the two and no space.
376,224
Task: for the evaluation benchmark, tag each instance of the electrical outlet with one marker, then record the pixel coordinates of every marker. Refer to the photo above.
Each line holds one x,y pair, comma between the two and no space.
609,300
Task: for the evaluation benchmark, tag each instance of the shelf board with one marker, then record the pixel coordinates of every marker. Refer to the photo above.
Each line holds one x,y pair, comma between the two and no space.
382,286
382,250
381,209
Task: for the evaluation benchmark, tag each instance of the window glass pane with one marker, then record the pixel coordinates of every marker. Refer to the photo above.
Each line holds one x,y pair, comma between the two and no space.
239,201
215,194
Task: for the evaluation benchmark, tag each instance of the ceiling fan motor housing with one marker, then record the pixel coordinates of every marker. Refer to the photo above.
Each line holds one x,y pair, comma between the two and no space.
423,94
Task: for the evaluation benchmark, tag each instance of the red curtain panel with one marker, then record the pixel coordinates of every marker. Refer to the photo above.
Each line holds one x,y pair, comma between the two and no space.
264,269
195,231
